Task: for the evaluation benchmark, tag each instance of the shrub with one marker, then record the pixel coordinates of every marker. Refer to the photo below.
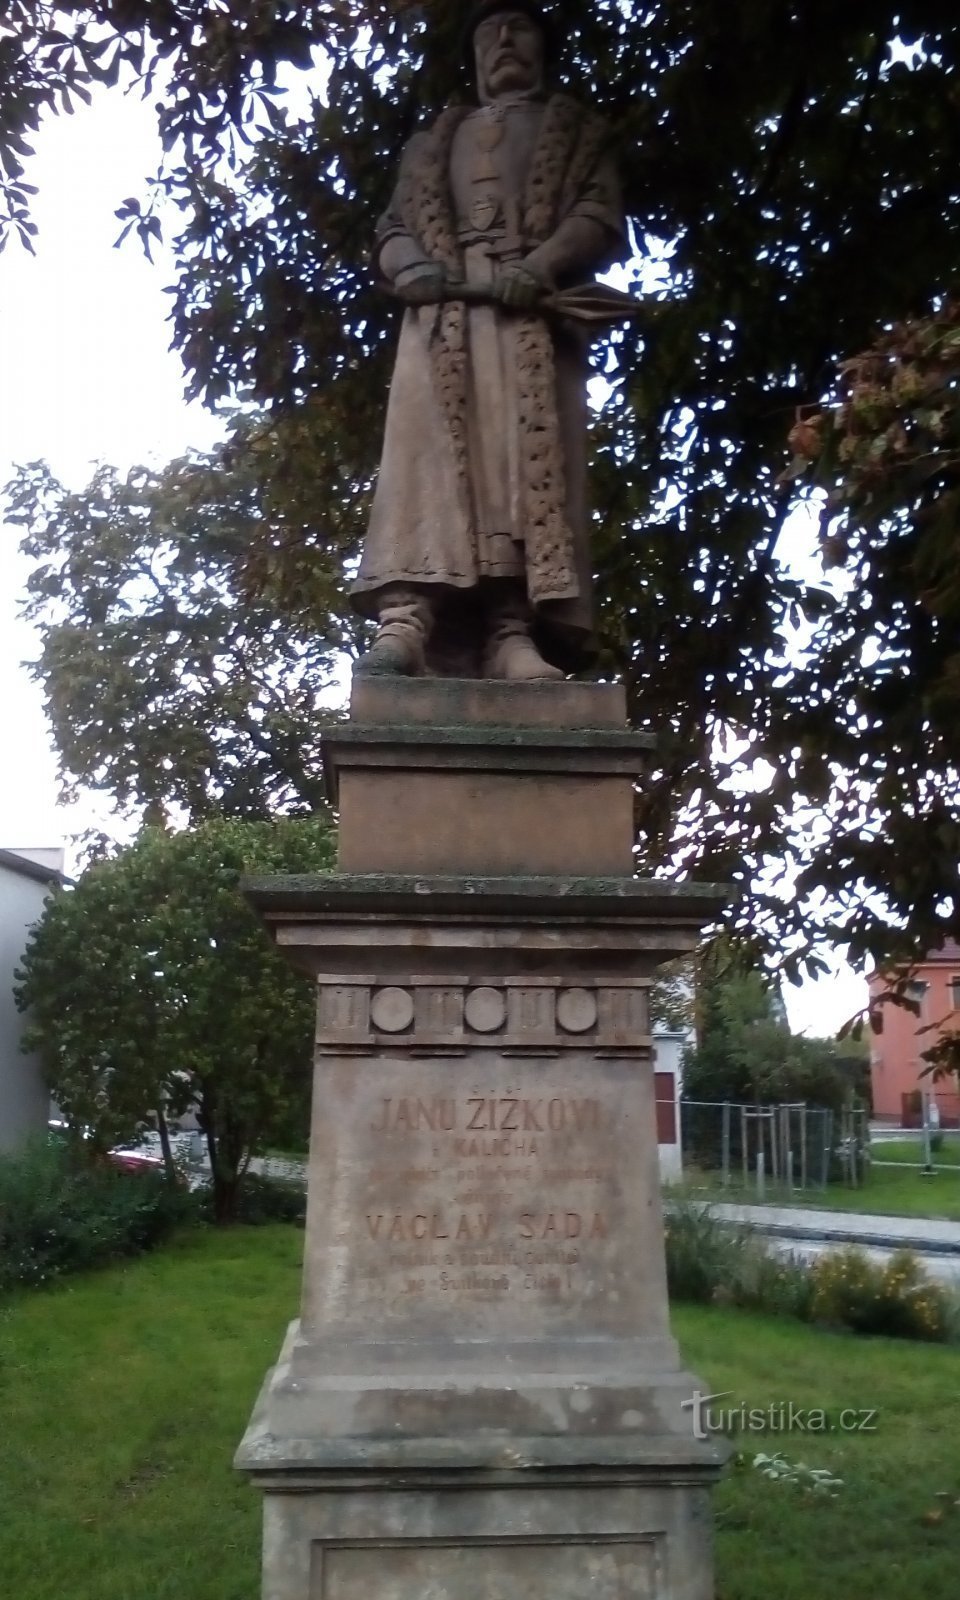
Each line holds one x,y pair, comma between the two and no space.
781,1285
712,1260
896,1298
153,983
61,1213
262,1199
704,1255
709,1259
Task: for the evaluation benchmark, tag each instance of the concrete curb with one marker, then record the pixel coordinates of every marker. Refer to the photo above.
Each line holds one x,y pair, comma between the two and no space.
817,1231
880,1241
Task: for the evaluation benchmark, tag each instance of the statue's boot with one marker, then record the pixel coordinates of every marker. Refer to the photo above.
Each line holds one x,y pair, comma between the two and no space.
510,651
405,623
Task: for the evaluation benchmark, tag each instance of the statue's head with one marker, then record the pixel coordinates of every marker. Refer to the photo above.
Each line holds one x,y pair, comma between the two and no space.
509,46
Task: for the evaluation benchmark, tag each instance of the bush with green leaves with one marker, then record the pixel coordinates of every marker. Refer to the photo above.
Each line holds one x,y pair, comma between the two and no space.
63,1212
154,989
262,1199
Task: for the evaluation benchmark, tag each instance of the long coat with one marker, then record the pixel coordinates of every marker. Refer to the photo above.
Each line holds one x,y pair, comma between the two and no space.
483,473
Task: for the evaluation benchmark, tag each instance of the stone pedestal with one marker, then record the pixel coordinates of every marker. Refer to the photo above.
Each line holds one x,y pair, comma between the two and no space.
486,778
482,1398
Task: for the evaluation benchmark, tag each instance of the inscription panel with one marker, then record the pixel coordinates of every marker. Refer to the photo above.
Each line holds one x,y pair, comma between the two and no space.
487,1197
625,1570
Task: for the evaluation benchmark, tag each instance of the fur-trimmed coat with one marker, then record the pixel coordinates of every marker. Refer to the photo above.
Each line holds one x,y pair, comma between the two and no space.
483,472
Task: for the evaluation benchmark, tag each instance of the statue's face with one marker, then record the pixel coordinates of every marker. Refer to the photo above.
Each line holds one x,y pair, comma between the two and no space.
509,53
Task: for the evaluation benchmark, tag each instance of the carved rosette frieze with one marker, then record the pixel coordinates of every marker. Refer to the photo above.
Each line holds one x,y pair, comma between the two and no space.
450,1016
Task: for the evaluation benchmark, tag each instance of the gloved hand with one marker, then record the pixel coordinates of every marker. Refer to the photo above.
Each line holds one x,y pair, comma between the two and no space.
421,285
518,288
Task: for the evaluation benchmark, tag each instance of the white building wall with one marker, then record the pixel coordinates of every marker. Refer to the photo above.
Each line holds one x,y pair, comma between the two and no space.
668,1057
23,1094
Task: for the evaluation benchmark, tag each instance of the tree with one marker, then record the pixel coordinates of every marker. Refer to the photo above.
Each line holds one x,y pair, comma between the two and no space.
167,683
153,989
214,60
790,177
745,1052
673,999
943,1060
885,453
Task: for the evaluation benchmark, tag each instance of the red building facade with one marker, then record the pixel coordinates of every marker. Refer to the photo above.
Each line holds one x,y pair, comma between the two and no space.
896,1054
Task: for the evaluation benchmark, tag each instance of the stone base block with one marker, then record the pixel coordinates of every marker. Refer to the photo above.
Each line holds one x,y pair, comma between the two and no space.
440,776
628,1535
608,1402
478,702
500,1481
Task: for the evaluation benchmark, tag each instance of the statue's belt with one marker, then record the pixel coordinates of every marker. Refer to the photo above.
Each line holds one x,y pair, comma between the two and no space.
591,304
495,242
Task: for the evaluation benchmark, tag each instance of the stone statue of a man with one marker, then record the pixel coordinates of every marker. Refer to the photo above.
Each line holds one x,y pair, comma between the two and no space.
477,558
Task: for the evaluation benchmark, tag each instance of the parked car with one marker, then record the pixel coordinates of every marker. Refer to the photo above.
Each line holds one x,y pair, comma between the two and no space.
146,1157
135,1160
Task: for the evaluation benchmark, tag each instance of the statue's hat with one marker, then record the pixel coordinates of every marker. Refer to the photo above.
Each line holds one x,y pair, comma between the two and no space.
489,8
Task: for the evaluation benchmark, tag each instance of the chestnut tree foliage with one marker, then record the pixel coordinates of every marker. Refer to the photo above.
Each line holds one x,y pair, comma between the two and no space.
791,170
886,451
171,679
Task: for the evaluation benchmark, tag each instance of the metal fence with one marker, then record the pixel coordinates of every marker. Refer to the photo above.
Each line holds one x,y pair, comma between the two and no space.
928,1142
790,1147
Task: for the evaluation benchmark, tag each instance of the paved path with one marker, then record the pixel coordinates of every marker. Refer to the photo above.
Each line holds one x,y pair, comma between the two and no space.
289,1169
932,1237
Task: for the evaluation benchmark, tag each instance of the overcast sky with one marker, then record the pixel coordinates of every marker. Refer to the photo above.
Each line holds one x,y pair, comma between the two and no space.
86,376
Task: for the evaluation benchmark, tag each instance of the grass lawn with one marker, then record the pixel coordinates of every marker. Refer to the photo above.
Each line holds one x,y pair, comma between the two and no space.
910,1150
872,1541
124,1394
887,1191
